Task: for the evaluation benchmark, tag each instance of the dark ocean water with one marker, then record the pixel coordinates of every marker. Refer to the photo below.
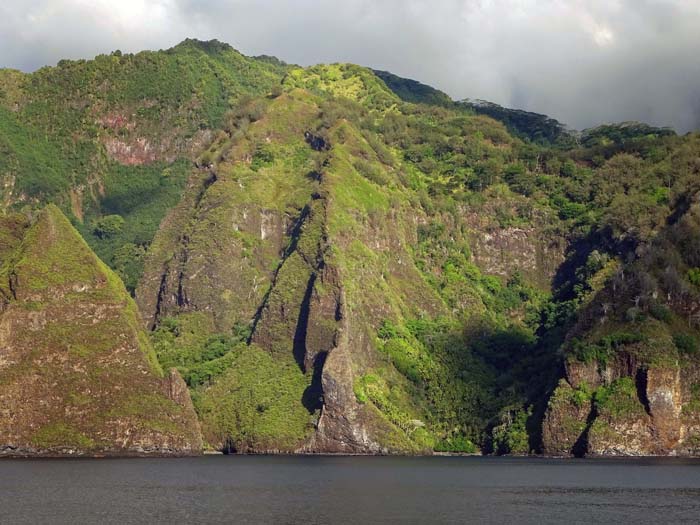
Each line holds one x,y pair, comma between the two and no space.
269,489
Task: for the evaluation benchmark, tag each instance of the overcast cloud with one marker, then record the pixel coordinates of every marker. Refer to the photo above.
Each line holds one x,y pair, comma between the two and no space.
583,62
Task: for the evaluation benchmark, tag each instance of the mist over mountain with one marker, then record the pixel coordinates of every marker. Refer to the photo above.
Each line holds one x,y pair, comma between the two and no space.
583,63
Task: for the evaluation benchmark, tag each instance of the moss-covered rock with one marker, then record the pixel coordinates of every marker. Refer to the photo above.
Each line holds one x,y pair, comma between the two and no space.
77,373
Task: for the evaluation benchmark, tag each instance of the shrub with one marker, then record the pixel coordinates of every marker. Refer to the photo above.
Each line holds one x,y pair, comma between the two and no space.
601,350
511,437
572,210
108,226
661,312
619,400
694,276
430,231
686,343
387,330
262,157
633,314
458,444
128,263
370,171
582,395
404,357
255,402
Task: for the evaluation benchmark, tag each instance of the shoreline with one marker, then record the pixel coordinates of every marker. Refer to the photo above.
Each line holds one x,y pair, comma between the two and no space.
4,456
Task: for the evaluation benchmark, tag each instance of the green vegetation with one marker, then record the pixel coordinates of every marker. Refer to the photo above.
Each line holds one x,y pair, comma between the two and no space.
413,91
389,400
686,343
469,248
605,348
694,276
129,216
619,134
511,436
187,343
463,378
133,121
619,400
693,407
345,81
256,404
108,226
60,435
540,129
30,160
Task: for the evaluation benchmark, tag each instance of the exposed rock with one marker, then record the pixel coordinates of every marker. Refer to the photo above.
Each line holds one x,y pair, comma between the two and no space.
566,421
499,250
139,151
317,143
343,425
77,375
624,407
642,381
614,437
234,250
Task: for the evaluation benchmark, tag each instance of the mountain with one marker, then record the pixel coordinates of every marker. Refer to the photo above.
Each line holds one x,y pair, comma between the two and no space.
116,135
410,90
527,125
337,259
77,374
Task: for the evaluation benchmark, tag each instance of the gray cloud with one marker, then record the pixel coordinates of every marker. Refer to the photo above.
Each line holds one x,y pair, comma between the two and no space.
582,61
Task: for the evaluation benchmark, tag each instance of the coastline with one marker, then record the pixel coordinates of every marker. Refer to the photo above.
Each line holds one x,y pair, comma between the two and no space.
209,453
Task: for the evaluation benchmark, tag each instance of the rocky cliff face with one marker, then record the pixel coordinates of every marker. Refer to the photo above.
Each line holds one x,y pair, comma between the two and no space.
631,384
286,247
502,250
218,250
77,374
303,229
630,408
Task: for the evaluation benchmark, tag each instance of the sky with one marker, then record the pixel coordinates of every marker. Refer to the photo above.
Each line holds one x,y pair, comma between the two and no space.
584,62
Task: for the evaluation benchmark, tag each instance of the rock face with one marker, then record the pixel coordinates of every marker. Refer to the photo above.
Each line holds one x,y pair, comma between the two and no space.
500,250
77,374
632,380
625,411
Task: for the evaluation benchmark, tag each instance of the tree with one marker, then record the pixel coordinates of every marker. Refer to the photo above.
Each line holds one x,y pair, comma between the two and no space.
108,226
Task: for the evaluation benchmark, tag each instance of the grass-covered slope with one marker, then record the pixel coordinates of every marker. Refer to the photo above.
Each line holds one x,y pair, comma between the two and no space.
410,90
77,373
214,261
538,128
132,109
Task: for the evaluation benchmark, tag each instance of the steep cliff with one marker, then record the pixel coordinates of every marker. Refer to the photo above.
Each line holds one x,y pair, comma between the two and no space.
78,375
633,365
311,292
310,255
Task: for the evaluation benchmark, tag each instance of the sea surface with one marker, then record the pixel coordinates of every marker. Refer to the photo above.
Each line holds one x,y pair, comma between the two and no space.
364,490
